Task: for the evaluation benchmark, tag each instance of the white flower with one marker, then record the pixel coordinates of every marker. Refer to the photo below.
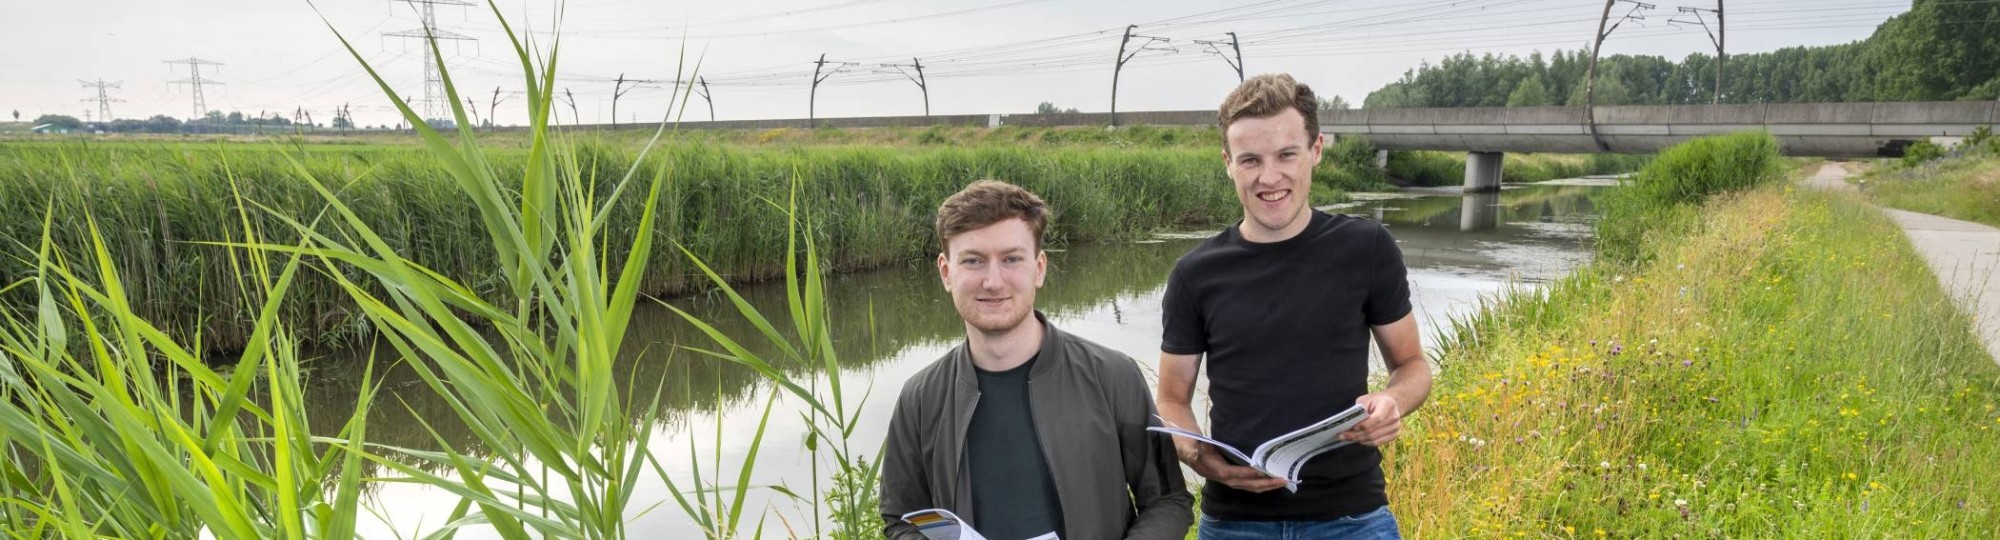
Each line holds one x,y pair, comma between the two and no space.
1680,502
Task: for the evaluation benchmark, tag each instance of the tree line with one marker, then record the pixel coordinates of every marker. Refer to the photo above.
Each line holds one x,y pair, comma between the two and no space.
213,122
1940,50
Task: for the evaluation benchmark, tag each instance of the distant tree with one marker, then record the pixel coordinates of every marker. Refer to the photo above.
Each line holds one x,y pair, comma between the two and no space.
161,123
1337,103
1530,93
1395,95
1610,91
1939,50
17,115
1050,108
214,117
59,120
341,122
235,117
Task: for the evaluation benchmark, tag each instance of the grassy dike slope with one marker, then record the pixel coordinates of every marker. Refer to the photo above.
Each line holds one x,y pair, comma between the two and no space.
1783,367
1965,186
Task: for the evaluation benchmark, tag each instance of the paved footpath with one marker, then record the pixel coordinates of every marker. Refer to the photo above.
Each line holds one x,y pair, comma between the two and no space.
1964,255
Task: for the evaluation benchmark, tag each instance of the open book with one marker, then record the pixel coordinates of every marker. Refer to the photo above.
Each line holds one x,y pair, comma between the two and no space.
941,524
1283,456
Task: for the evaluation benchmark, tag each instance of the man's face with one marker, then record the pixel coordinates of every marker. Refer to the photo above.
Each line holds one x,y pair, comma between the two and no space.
992,273
1271,161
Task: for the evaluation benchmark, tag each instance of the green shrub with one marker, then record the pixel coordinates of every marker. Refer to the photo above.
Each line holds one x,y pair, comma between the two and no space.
1349,165
1659,200
1980,136
1422,168
933,135
1921,152
1349,152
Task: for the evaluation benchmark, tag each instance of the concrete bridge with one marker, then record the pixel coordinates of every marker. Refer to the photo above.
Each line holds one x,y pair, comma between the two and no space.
1485,133
1802,129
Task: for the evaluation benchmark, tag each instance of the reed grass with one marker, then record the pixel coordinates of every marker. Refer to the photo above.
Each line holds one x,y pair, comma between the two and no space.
111,428
103,441
870,206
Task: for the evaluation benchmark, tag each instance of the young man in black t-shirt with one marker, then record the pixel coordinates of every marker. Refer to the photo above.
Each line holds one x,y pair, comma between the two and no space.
1280,308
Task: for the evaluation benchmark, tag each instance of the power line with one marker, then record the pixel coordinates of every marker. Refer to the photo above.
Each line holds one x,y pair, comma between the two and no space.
642,33
619,90
435,102
1715,37
195,82
1123,58
1215,47
919,79
812,99
103,100
1590,78
711,101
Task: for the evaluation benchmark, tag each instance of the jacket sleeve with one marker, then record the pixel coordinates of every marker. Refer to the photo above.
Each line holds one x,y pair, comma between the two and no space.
905,488
1166,509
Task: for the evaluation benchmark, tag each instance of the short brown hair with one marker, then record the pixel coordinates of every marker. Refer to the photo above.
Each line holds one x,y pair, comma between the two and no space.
1266,95
987,202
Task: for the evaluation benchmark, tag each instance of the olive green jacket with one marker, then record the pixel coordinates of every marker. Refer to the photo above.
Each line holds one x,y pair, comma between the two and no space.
1091,408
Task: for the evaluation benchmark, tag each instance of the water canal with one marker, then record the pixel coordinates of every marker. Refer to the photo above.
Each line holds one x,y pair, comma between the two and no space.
891,322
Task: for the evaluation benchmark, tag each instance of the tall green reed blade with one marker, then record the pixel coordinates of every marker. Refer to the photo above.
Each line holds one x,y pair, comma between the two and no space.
105,423
828,417
538,382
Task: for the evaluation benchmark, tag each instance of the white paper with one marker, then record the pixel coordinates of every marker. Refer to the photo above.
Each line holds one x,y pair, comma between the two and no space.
1283,456
941,524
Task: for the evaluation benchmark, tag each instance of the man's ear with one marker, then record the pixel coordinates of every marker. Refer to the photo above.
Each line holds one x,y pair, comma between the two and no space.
1041,267
944,270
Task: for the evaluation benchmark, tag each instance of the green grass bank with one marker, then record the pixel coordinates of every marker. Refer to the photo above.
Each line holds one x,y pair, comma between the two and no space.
1963,184
1766,362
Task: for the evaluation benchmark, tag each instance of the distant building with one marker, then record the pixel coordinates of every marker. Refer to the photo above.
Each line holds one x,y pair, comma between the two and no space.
51,129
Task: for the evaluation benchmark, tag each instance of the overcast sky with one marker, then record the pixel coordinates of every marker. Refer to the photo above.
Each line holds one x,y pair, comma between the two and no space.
980,56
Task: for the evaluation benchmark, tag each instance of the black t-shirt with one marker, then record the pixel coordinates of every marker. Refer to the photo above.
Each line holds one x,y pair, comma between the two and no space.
1012,494
1285,327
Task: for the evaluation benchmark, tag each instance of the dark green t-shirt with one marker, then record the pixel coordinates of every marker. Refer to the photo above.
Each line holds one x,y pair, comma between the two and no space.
1012,495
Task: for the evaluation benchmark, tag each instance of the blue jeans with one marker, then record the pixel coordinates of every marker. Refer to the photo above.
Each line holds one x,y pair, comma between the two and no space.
1379,524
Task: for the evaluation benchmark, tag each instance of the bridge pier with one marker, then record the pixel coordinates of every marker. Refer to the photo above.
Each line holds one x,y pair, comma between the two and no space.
1382,160
1482,172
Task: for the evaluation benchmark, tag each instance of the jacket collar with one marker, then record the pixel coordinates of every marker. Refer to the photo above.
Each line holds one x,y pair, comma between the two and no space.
1045,362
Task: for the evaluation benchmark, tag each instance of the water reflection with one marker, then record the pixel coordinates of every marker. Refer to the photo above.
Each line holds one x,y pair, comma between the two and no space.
1479,211
876,314
1529,234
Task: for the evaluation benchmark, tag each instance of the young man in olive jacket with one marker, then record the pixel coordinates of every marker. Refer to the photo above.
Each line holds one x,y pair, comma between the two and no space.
1023,429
